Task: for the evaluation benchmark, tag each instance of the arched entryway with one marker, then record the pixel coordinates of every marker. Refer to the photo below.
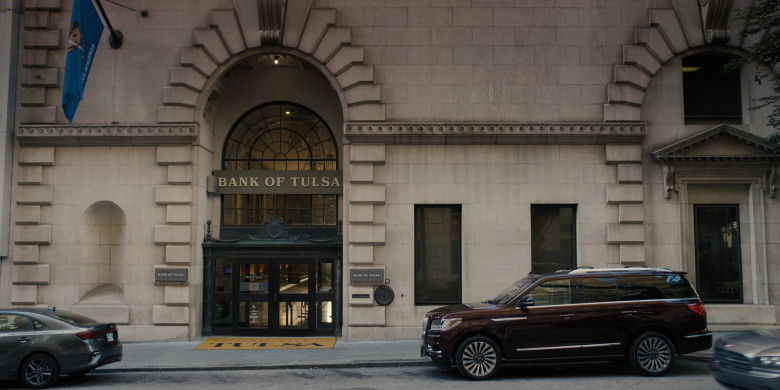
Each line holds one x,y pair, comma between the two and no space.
275,268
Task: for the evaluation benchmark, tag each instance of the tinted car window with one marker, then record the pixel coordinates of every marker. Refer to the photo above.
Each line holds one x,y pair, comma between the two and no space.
639,287
512,291
12,323
553,292
603,289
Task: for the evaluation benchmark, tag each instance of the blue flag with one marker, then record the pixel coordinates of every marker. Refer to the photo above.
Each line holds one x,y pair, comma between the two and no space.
86,27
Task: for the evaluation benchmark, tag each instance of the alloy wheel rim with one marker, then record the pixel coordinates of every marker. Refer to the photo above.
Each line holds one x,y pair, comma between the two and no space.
479,358
654,354
38,371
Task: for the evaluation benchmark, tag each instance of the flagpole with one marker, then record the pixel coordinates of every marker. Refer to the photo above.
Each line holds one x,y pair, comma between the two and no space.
115,38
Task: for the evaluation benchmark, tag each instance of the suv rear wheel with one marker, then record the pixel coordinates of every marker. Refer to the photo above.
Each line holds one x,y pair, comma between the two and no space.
478,357
652,354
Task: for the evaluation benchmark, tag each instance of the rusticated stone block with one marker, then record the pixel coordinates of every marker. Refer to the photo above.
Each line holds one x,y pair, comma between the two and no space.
617,154
366,234
28,215
179,214
31,274
367,153
29,174
32,234
625,234
624,193
173,194
170,315
34,194
177,254
367,316
179,174
361,254
172,234
361,173
36,156
26,254
174,155
24,295
177,295
367,193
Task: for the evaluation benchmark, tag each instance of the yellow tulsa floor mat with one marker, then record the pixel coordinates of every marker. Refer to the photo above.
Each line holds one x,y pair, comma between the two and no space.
228,343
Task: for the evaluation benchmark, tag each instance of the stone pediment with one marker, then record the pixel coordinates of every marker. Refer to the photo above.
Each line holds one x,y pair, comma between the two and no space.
721,143
721,150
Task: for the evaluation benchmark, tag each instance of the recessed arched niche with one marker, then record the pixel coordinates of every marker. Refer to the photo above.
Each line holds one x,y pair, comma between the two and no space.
102,265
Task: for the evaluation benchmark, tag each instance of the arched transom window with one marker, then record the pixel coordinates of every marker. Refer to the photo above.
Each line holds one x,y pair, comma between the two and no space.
280,136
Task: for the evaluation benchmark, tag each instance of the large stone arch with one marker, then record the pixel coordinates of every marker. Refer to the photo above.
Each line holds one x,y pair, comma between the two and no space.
670,32
265,26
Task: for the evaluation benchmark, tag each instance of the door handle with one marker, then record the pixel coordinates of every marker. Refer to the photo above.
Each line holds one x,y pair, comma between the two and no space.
567,315
23,339
629,313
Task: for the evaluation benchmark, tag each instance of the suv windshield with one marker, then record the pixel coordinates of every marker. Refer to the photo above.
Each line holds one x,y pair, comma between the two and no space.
513,290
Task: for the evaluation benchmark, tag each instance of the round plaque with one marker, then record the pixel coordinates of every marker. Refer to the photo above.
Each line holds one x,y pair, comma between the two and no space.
384,295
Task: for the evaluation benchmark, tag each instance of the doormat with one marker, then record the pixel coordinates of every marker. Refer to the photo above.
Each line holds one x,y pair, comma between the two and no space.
235,343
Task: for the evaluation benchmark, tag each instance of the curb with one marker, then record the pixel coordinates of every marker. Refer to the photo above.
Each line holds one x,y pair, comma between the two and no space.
314,366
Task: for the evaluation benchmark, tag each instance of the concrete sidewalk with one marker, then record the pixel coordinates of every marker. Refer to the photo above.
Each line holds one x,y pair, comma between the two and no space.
182,356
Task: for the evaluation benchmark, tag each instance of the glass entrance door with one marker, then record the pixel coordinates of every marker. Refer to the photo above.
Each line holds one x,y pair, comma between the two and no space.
294,300
254,296
265,297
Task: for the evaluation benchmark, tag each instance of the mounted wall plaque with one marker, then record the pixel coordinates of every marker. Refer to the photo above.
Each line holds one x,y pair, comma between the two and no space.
367,275
170,275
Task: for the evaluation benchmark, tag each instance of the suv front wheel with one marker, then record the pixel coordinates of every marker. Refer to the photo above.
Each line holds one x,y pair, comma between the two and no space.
478,357
652,354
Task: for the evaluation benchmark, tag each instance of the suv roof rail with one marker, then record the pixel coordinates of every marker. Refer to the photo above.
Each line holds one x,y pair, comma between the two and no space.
644,268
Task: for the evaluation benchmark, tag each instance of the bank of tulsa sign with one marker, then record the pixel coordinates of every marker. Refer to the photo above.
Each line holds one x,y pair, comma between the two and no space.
276,182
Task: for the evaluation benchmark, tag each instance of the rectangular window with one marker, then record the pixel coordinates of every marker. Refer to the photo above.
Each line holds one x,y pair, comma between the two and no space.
718,258
710,93
437,255
553,238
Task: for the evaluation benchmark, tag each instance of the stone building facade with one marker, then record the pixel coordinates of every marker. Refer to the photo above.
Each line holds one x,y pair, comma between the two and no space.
341,167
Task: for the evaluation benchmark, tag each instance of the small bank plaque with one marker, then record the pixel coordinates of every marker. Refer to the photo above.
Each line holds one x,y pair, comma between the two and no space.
169,275
367,275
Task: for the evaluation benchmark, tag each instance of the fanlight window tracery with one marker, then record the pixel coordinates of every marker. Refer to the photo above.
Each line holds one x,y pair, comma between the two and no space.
282,137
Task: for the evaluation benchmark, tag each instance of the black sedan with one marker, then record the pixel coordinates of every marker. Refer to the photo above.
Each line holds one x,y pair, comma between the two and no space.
38,345
748,360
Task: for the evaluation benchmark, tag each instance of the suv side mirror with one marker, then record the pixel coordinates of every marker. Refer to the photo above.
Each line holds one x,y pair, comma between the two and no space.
526,301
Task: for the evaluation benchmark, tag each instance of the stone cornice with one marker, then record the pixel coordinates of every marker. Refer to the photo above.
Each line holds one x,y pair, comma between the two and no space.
92,135
494,133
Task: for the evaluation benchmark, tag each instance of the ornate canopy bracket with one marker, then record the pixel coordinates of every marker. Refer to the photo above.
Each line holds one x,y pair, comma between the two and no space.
715,14
772,181
668,181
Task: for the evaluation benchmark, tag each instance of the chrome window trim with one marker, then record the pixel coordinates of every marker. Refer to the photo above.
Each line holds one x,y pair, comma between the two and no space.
601,345
507,319
568,347
549,348
693,336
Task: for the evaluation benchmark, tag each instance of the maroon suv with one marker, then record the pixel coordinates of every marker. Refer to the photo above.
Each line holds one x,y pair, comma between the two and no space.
647,315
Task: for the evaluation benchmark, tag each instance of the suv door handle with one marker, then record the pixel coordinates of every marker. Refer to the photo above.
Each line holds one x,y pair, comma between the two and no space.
629,312
567,316
23,339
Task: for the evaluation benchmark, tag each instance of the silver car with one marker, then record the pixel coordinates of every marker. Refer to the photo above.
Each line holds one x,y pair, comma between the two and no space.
748,360
38,345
